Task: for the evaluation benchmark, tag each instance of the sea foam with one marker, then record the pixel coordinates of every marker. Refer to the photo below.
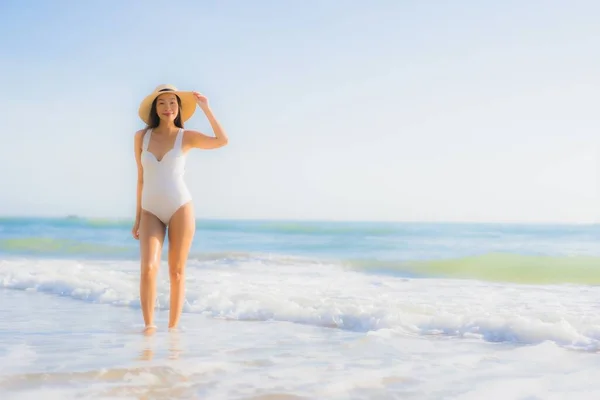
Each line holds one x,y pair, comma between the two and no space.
330,296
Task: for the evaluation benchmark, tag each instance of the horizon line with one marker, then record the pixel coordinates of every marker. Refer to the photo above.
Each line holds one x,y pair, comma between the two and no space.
309,220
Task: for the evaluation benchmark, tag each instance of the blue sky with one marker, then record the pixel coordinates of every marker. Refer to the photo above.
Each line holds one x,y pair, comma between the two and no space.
338,110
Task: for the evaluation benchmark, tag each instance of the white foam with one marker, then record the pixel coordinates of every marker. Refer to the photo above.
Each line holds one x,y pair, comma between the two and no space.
70,347
328,296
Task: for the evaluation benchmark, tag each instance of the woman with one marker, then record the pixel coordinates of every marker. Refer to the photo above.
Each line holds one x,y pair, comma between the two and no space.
164,203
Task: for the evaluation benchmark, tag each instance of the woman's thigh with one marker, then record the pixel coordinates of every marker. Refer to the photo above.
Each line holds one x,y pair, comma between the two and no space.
182,227
152,236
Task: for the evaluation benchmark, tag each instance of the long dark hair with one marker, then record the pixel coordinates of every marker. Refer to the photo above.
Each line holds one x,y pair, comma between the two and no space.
155,119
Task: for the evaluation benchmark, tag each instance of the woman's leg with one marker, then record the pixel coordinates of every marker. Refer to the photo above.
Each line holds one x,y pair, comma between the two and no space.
181,233
152,235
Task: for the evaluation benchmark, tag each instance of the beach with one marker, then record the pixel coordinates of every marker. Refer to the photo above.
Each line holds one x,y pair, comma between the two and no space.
304,310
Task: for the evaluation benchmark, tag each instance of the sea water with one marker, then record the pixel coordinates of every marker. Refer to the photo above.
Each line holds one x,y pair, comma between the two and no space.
304,310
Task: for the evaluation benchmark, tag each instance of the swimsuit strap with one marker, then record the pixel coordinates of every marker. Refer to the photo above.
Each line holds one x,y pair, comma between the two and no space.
179,140
147,139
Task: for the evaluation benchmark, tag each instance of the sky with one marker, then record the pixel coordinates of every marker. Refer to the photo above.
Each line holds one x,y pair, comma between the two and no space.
464,111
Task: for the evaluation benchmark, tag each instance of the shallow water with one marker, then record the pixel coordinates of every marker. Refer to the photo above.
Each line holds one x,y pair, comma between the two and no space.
301,323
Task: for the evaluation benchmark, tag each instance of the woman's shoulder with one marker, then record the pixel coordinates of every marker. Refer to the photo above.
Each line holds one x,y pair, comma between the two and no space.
138,135
190,135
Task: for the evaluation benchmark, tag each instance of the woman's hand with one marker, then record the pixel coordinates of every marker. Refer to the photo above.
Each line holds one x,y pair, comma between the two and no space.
201,100
135,231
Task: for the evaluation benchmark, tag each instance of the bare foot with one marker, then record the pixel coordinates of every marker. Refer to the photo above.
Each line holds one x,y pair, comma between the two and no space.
150,329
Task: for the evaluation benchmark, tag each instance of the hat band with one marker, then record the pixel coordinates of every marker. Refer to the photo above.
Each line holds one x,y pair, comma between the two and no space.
166,90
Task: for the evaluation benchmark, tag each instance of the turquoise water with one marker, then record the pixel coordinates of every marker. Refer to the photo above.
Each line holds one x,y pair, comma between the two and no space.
303,310
497,251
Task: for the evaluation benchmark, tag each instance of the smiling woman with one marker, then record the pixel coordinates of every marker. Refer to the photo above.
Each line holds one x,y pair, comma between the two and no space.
163,199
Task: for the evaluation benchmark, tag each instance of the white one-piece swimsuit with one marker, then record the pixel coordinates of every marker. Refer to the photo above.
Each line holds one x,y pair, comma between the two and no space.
164,190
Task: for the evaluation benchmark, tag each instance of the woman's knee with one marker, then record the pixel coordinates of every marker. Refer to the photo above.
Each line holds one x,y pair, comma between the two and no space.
176,272
150,270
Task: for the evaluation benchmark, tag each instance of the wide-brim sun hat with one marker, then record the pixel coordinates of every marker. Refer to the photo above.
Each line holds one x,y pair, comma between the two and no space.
188,102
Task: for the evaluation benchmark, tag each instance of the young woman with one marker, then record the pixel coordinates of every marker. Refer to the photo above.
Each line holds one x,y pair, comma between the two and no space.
164,203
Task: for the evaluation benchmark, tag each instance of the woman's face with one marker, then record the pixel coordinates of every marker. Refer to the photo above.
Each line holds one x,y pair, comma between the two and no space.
167,107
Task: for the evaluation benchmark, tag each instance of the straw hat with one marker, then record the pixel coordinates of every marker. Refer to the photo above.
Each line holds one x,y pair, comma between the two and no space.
188,102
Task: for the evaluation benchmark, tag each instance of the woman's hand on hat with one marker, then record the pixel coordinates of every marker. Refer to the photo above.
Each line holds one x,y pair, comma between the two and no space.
200,99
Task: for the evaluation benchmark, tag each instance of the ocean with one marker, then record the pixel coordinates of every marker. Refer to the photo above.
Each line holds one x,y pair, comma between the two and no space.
304,310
